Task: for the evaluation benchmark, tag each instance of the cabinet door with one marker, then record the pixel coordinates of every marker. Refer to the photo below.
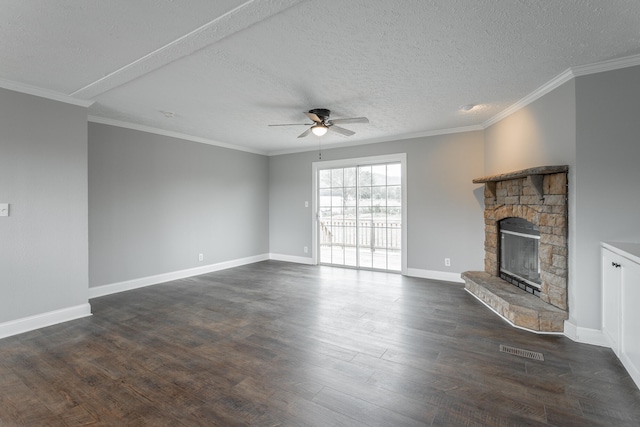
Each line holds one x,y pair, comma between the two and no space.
631,318
611,298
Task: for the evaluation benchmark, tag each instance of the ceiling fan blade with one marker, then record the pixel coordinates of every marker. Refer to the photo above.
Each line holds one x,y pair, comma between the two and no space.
305,133
293,124
313,116
342,131
351,120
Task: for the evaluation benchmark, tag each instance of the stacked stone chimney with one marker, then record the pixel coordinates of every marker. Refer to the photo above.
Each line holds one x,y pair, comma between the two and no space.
538,195
518,198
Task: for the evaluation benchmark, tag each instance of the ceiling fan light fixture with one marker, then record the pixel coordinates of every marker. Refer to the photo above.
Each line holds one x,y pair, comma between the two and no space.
319,129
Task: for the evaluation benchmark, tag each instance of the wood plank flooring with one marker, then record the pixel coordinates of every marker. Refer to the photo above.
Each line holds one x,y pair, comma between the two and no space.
279,344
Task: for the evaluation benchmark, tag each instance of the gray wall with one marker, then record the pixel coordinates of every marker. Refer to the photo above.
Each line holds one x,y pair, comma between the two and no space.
541,134
43,175
157,202
445,215
608,178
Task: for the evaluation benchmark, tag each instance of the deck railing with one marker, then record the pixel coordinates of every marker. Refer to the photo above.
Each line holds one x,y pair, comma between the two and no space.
373,234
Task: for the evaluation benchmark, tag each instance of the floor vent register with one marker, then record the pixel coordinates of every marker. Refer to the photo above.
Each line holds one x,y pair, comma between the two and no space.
522,353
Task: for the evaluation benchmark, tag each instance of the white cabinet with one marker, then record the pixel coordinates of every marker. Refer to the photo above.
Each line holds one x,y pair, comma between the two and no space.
611,300
630,340
621,303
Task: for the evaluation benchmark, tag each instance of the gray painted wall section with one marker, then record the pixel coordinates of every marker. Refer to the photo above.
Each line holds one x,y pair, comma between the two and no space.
542,133
43,175
608,177
445,210
156,202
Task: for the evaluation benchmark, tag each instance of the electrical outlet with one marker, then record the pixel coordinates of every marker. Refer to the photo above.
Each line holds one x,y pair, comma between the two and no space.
447,262
306,250
200,257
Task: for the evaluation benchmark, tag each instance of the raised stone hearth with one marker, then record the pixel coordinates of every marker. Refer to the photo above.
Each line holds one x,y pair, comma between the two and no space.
518,307
539,196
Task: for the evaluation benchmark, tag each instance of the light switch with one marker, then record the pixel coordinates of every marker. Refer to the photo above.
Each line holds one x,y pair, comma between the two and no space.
4,209
306,204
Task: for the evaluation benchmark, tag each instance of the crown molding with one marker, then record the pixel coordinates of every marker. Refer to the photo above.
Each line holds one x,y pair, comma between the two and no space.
43,93
172,134
609,65
536,94
378,140
565,76
436,132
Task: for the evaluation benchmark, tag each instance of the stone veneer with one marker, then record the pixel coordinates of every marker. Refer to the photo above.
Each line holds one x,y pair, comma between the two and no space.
514,304
538,195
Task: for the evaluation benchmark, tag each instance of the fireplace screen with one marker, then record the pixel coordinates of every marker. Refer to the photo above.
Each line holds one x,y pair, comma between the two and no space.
519,254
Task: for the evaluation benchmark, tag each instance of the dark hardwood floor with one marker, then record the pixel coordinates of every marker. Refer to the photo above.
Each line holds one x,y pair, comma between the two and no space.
274,344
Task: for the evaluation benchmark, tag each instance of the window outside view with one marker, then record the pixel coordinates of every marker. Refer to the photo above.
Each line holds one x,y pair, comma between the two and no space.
360,216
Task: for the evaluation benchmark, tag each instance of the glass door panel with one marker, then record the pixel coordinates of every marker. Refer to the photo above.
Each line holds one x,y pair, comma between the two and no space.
360,221
351,233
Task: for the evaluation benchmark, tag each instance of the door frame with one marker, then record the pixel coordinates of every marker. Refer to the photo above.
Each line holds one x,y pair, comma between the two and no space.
359,161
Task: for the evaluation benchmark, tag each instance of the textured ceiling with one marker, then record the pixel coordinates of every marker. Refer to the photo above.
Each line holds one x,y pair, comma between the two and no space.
227,69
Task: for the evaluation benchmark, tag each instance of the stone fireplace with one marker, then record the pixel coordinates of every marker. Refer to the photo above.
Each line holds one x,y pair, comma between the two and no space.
525,218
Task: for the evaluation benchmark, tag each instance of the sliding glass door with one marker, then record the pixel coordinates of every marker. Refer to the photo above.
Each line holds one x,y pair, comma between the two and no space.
360,216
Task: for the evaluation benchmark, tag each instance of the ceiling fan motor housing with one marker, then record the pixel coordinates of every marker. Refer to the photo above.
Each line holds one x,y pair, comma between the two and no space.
323,113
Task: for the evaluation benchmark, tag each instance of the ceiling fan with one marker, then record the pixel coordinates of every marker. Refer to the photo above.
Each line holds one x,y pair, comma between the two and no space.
321,123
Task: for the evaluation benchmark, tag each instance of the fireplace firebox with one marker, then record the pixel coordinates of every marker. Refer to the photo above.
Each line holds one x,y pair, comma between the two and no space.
519,264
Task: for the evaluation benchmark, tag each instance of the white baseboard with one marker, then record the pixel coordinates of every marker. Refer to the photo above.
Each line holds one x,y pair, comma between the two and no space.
26,324
128,285
631,368
599,338
435,275
291,258
585,335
